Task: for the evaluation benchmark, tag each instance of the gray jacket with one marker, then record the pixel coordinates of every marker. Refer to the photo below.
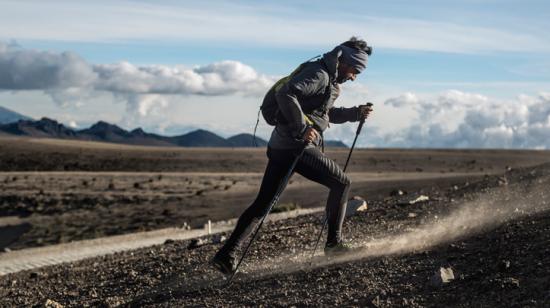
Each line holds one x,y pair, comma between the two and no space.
310,92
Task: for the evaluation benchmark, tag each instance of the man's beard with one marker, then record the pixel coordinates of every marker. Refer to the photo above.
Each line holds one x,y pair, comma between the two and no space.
341,79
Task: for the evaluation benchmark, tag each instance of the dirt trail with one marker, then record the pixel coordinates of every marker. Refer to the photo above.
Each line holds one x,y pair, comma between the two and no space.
15,261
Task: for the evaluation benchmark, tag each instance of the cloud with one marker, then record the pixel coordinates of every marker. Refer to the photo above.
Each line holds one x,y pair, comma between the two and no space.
69,79
480,122
248,23
405,99
29,69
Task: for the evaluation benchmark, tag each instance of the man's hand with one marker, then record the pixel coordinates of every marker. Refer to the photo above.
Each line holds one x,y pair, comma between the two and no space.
364,111
310,135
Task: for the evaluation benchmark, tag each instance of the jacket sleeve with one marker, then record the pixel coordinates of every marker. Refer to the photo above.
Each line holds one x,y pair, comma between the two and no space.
306,83
339,115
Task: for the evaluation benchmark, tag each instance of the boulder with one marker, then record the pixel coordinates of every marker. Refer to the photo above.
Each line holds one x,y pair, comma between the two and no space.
442,276
356,204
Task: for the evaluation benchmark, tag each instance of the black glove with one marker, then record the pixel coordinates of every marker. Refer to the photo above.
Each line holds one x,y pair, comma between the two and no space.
363,111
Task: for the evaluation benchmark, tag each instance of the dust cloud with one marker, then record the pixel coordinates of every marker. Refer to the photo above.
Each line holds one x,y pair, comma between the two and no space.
486,210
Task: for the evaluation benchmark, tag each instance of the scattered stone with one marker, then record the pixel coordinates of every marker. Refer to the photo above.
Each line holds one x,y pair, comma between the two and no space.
93,293
376,301
397,192
419,199
504,265
510,282
412,215
52,304
218,238
442,276
502,181
33,275
196,243
356,204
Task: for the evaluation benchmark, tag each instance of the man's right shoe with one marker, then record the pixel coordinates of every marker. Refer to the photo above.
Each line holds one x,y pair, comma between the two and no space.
225,263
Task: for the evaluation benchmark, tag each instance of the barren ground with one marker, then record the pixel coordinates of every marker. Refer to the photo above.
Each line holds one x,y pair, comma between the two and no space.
489,223
116,189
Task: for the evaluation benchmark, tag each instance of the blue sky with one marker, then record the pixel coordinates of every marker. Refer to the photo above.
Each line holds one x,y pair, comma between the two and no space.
428,49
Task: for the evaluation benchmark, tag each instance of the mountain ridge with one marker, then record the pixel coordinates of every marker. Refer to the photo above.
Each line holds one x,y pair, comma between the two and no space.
107,132
9,116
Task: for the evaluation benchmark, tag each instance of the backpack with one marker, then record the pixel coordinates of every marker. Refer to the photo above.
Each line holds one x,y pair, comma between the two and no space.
269,108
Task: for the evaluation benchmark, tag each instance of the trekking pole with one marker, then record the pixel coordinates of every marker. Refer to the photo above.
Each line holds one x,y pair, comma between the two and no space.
271,205
325,221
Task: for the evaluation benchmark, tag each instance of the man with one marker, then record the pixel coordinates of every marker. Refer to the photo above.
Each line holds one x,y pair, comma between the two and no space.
305,107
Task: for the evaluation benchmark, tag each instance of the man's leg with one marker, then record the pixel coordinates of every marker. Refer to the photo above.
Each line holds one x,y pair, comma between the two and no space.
277,168
314,165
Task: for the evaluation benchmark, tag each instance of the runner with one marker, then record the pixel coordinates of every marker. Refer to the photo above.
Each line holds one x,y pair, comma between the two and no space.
301,107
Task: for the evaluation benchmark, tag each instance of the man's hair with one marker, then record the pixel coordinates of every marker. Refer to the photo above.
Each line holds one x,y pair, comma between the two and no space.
358,44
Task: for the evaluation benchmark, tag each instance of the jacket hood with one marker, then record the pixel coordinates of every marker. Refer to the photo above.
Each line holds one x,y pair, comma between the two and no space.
331,61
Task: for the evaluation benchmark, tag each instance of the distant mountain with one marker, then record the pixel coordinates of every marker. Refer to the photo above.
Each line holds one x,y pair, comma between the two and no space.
9,116
200,138
335,144
106,132
43,128
103,131
246,140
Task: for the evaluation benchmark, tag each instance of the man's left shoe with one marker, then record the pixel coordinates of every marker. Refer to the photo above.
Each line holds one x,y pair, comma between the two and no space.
339,248
225,263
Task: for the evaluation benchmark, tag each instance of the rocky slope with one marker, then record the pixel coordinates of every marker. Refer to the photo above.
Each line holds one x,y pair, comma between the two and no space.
492,235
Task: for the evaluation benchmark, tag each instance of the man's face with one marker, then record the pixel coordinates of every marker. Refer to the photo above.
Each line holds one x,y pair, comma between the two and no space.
345,73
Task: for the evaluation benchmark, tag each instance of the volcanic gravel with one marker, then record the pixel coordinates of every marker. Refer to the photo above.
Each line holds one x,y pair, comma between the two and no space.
503,264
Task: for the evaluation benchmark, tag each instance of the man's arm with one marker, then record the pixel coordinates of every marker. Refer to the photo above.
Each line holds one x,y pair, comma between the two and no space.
305,83
340,115
353,114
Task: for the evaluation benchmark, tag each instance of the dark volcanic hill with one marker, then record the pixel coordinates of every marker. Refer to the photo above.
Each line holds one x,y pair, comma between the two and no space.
200,138
9,116
43,128
106,132
335,144
103,131
246,140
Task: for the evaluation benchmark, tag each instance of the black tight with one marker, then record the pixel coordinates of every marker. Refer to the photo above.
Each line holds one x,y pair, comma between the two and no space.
314,166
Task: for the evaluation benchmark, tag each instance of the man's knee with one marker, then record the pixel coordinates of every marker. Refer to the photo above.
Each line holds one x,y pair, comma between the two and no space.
344,181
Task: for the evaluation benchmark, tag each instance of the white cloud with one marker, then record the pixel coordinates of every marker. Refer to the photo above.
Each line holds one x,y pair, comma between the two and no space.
69,79
480,122
222,22
405,99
